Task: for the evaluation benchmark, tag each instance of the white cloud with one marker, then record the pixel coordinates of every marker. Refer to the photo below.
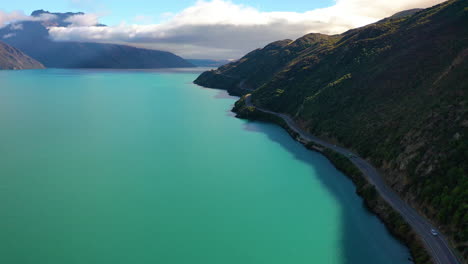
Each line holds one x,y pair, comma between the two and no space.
8,17
83,20
18,26
15,16
222,29
43,17
9,35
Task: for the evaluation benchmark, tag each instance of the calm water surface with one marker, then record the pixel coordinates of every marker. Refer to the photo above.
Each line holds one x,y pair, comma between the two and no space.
126,167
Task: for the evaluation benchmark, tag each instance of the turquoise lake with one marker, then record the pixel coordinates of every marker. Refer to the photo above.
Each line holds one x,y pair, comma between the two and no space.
101,167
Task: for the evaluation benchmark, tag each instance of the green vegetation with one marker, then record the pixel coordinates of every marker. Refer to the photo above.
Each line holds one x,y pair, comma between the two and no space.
340,80
250,112
395,91
343,164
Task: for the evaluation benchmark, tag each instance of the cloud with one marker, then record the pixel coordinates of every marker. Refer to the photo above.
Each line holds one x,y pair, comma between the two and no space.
15,16
16,26
83,20
43,17
9,35
221,29
8,17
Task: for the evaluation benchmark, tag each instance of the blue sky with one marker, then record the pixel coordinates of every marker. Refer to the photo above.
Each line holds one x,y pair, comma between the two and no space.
116,11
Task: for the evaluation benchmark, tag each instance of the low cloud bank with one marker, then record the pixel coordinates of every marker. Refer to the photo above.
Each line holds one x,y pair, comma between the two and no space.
16,16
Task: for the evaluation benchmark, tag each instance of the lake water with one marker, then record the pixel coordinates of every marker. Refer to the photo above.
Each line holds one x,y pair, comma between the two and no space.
144,167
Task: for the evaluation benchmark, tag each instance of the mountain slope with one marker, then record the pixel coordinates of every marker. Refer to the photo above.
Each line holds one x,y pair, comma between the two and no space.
207,62
395,91
32,37
13,59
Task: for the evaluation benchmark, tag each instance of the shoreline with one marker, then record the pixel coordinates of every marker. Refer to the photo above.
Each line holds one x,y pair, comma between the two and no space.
402,221
373,200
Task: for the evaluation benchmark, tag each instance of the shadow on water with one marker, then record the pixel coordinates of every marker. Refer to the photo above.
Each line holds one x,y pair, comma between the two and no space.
364,237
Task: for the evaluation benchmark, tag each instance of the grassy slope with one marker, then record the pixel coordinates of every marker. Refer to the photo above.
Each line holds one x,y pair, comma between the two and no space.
395,91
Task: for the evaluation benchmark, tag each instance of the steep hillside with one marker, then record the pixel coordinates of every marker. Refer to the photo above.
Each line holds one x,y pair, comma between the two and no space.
14,59
32,37
395,91
260,65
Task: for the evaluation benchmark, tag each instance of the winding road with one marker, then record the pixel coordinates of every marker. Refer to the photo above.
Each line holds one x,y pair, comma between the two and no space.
437,246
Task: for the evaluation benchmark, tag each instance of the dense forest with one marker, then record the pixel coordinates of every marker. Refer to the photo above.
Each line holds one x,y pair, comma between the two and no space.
395,91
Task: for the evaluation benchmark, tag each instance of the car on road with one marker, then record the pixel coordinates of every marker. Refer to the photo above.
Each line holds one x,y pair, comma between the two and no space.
434,232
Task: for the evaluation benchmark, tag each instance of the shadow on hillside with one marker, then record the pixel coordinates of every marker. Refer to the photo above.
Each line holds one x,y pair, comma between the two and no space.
365,238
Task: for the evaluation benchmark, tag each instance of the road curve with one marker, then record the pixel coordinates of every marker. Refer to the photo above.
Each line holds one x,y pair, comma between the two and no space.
437,246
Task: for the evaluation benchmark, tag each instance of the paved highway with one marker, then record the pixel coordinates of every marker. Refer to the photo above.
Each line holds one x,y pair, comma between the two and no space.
437,246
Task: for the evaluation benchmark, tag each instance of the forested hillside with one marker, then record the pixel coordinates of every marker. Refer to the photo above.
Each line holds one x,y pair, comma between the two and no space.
395,91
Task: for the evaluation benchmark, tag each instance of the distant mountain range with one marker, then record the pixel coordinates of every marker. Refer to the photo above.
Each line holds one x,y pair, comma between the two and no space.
13,59
395,91
32,37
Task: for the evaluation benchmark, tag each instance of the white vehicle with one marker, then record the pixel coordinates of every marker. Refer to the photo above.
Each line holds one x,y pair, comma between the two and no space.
434,232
